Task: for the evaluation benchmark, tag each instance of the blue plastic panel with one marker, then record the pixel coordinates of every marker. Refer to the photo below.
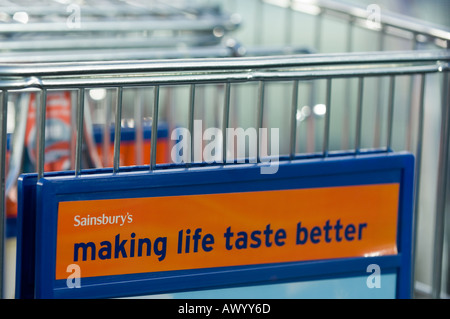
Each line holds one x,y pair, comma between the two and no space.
303,174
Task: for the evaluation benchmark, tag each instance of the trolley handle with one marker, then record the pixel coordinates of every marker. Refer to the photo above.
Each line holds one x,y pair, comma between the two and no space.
218,64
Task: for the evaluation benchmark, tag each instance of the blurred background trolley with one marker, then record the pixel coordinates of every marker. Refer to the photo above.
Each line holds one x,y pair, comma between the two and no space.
138,71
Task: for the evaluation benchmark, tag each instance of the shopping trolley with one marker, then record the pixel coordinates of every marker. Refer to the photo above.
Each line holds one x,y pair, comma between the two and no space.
309,132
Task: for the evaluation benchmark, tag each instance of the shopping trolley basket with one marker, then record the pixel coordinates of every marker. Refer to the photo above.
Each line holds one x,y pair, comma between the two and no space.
262,81
52,31
288,70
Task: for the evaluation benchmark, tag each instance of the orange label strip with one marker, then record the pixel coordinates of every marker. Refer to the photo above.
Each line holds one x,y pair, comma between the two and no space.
126,236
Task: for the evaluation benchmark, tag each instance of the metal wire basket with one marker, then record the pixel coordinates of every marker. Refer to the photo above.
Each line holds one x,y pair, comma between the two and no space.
324,104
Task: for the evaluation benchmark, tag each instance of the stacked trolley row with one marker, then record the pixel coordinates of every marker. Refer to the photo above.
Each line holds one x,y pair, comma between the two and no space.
321,103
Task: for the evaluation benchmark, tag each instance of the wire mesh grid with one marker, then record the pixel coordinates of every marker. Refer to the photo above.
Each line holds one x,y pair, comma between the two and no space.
323,104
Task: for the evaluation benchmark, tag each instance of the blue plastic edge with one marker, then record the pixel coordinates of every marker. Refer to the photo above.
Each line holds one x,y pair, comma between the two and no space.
128,134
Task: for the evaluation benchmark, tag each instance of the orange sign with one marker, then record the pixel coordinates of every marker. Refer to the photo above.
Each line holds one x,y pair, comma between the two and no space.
138,235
